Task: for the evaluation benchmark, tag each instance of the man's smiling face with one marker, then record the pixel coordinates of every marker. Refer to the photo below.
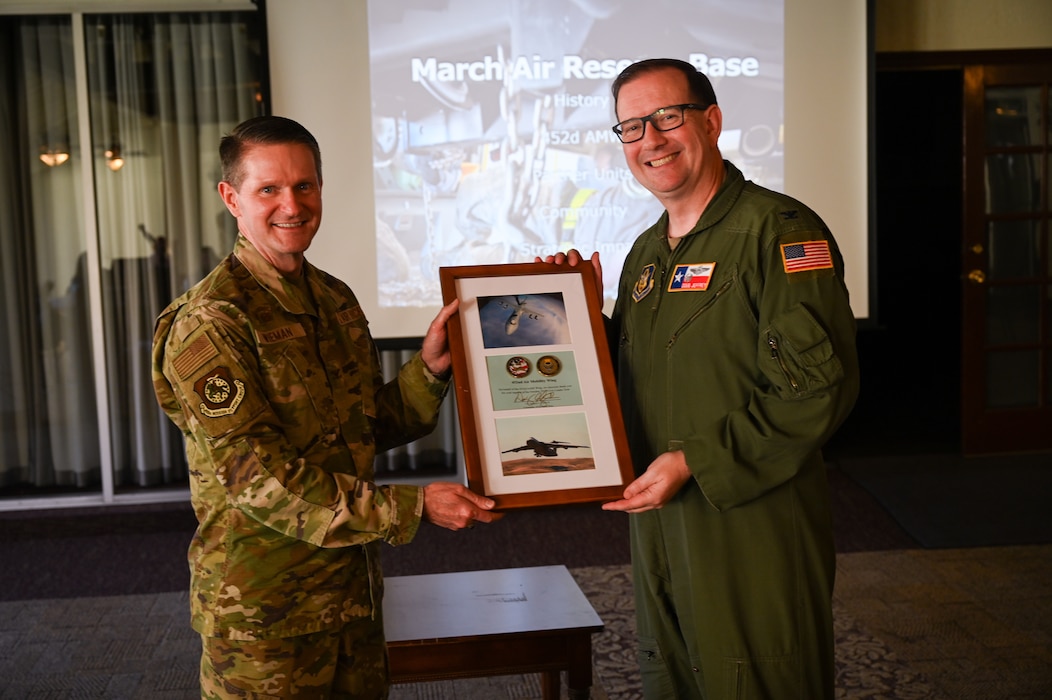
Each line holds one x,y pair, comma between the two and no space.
671,164
278,203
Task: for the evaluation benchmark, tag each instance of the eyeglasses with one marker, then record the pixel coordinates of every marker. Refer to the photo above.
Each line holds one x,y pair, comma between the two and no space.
665,119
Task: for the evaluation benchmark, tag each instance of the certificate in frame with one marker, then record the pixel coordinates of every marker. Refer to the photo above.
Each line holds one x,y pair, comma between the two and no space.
540,418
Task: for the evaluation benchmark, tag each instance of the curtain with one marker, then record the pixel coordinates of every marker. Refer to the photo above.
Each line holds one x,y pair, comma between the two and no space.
432,455
163,89
48,425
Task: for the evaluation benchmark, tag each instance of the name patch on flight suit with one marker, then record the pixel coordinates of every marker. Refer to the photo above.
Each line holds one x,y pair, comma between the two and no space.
692,277
221,394
645,283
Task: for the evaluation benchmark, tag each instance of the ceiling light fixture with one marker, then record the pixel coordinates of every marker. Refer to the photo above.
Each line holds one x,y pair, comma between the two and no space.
114,161
51,157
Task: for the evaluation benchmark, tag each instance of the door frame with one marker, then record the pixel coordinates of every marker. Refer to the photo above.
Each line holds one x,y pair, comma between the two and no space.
982,431
1002,430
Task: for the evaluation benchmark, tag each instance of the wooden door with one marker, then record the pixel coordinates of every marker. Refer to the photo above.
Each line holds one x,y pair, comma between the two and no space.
1006,390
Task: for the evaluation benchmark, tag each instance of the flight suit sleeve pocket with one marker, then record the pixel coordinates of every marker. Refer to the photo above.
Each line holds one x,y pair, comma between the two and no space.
800,359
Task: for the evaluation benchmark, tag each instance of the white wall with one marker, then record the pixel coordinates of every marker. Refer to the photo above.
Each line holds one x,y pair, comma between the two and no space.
826,147
319,63
962,25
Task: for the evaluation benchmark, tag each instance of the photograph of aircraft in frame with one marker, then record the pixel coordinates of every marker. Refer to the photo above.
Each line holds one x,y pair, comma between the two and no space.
539,415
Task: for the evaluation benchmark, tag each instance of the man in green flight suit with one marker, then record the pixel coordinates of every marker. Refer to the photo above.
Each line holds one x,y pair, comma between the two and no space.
736,362
268,368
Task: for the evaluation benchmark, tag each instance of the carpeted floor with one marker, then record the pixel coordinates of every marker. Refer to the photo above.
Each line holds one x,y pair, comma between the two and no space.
954,501
93,604
971,624
910,625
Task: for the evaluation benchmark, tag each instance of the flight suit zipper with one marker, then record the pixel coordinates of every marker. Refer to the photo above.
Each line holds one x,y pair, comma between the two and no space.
708,304
772,343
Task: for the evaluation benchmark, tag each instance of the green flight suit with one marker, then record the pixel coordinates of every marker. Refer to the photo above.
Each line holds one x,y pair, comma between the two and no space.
278,391
738,348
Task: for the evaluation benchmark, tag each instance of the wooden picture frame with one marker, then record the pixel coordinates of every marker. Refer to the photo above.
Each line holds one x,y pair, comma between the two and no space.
540,418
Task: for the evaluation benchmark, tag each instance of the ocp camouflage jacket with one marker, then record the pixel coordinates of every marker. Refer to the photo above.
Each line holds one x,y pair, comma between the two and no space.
283,407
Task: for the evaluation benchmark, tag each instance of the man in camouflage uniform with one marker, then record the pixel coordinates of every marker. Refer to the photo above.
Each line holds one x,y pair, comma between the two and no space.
268,368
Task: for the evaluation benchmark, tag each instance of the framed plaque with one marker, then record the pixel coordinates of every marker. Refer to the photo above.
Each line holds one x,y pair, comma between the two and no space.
536,398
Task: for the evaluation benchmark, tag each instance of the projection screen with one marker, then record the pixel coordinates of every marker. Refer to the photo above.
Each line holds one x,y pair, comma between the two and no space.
491,140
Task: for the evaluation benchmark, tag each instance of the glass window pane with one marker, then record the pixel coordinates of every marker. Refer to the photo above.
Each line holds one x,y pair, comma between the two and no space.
1014,116
163,89
49,433
1013,183
1013,314
1012,379
1012,248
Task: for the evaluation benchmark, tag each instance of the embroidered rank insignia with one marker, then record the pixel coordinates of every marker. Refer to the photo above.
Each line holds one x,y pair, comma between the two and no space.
693,277
221,394
810,255
645,283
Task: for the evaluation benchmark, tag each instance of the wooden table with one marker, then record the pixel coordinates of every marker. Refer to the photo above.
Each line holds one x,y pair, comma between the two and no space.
491,623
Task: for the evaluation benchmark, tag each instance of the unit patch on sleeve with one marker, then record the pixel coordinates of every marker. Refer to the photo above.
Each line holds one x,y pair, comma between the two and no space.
692,277
221,394
809,255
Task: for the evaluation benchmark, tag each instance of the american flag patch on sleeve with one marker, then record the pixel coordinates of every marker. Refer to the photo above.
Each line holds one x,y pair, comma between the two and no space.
195,356
809,255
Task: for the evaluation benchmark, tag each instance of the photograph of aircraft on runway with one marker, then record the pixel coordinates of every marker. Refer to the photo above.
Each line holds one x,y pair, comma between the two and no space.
570,454
544,449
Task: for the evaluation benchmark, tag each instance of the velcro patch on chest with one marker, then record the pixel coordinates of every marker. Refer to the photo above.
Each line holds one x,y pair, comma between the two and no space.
348,316
645,283
691,277
277,335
